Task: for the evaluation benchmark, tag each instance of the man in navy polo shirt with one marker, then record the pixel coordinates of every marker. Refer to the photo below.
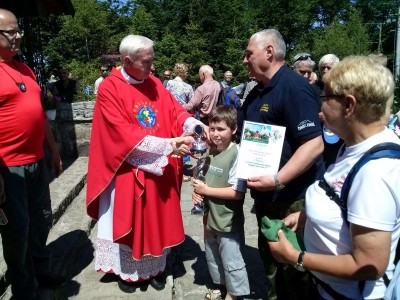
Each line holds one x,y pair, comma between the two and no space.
286,99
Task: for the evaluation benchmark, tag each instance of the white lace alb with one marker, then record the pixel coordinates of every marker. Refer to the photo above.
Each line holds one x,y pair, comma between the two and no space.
118,259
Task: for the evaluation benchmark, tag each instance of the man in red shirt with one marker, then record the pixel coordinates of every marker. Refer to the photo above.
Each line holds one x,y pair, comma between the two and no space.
26,204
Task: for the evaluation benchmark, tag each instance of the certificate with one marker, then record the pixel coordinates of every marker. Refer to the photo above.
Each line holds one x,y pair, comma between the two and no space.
260,149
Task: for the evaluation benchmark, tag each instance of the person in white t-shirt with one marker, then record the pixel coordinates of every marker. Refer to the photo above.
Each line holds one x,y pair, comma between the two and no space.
340,256
104,74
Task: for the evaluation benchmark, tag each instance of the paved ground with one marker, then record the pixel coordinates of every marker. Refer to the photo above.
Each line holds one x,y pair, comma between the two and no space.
88,284
73,236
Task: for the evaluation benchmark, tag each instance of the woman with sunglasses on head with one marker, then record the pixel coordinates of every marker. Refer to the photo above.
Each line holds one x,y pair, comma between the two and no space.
348,260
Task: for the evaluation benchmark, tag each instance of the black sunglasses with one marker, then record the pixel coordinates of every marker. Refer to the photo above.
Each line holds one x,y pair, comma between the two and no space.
304,57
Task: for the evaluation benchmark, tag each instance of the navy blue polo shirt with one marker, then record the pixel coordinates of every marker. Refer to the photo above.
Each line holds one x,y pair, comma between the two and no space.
287,100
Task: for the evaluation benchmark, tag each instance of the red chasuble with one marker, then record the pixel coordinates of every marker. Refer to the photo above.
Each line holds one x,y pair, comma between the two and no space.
147,215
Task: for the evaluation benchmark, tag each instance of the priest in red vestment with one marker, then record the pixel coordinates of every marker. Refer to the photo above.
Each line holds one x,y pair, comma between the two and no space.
139,134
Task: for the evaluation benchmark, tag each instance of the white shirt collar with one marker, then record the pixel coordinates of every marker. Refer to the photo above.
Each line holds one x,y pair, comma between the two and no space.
128,78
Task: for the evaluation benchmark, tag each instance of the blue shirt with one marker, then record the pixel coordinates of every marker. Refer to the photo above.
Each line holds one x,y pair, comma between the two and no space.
287,100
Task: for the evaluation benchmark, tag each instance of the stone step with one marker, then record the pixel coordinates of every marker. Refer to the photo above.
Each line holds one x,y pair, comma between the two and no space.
66,187
63,190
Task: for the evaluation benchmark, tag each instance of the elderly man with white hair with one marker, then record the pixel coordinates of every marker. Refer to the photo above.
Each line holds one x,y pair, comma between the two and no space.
206,96
139,134
227,79
325,64
303,64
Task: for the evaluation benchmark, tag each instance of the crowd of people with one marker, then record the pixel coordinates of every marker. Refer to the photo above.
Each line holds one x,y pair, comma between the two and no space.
142,133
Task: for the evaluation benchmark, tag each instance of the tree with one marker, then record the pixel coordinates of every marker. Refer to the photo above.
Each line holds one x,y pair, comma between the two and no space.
339,38
143,23
216,32
83,37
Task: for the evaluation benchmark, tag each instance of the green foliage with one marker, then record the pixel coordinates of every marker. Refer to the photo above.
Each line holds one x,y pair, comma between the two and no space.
339,38
83,37
214,32
143,23
85,72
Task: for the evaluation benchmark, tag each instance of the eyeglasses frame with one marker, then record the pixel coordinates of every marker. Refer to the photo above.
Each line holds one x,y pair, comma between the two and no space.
21,32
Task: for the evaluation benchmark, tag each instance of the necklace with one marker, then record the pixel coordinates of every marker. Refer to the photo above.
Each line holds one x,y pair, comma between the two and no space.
21,84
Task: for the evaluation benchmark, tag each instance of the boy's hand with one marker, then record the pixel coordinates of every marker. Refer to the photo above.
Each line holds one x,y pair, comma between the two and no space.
200,187
196,198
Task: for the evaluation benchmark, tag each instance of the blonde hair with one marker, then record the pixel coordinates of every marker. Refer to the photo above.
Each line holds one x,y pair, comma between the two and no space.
379,58
370,83
181,69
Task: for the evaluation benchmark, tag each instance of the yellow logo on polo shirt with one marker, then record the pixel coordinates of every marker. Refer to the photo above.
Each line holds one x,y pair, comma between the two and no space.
264,107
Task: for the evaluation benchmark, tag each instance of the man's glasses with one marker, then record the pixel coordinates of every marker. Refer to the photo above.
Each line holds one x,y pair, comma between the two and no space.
304,57
104,70
13,32
167,75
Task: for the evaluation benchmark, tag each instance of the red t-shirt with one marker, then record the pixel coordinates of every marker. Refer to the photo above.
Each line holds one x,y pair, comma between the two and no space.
21,116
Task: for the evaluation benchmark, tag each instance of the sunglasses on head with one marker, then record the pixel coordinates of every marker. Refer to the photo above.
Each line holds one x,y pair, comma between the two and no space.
304,57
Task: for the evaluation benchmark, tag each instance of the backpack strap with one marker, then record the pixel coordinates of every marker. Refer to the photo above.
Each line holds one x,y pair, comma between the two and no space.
389,150
221,95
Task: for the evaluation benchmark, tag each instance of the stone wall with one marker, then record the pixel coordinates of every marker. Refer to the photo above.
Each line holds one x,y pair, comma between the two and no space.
72,127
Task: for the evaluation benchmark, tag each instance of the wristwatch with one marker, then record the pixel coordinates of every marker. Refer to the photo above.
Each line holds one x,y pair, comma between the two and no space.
279,185
299,266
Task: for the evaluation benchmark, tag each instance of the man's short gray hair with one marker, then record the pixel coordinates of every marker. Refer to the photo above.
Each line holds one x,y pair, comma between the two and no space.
228,72
206,69
273,37
132,44
303,57
331,59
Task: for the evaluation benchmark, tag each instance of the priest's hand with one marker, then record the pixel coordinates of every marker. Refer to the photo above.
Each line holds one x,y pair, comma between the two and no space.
181,145
206,133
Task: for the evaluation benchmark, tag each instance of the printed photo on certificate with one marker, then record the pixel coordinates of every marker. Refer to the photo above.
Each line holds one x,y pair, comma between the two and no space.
260,149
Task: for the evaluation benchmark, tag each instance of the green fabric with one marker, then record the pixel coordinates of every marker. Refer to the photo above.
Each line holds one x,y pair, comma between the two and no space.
269,229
